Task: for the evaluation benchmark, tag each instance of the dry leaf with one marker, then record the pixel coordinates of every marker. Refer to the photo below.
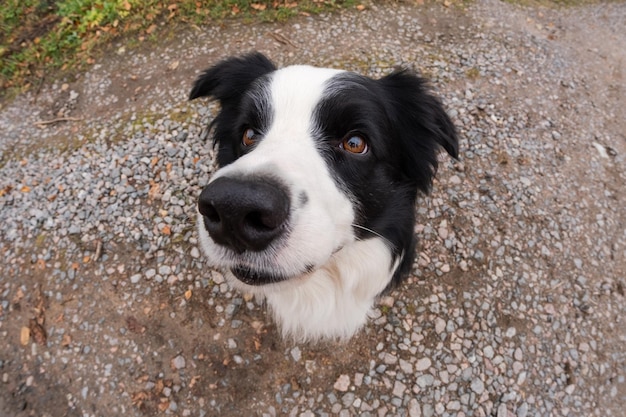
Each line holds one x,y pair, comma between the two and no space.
18,296
139,397
153,192
194,380
25,189
66,340
174,65
134,325
151,29
166,230
38,332
24,335
187,294
164,405
360,7
5,190
258,6
158,387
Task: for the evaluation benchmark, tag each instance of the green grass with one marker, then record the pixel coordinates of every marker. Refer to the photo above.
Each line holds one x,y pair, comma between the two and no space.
39,37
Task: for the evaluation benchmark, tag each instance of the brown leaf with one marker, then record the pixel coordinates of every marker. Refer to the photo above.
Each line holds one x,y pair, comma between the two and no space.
158,387
37,331
153,192
134,325
5,190
18,296
166,230
187,294
66,340
138,398
41,264
194,380
164,405
24,336
258,6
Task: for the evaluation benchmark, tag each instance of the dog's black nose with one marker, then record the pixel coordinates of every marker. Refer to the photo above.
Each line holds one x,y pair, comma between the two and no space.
244,214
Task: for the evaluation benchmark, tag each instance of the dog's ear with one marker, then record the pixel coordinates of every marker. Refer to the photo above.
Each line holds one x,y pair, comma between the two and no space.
421,125
230,78
228,81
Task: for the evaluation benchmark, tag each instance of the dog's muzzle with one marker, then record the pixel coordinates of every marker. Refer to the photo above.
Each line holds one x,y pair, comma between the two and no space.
244,214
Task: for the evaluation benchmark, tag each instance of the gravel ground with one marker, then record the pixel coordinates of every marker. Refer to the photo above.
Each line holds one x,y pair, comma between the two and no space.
516,304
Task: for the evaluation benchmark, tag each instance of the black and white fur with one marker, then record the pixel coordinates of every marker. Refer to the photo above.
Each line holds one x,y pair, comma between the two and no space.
313,205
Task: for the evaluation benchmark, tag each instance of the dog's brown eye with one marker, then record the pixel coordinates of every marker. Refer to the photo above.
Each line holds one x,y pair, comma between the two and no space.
354,144
249,137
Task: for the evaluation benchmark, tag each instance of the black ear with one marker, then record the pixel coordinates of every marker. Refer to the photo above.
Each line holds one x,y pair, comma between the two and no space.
420,124
229,79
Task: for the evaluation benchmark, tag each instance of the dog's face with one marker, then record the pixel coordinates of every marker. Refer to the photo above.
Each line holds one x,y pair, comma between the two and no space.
319,168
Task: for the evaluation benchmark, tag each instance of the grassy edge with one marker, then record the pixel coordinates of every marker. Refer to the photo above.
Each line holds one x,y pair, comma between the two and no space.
77,32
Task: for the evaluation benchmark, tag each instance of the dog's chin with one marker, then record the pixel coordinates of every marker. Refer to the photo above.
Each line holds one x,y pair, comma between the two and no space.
256,278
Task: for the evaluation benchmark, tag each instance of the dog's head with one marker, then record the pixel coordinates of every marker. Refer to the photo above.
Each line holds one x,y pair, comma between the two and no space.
312,162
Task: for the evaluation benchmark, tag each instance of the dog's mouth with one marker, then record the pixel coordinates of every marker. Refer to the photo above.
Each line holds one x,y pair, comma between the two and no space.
255,277
251,276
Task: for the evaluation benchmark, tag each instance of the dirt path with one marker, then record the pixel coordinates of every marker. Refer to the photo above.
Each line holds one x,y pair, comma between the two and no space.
516,305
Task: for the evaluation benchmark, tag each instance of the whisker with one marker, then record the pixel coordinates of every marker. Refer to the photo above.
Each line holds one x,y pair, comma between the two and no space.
373,232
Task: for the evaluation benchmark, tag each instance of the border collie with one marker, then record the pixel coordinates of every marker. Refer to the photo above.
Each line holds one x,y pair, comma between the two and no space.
313,206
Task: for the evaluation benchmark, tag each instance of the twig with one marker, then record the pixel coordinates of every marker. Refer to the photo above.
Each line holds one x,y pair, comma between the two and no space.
279,37
58,119
98,250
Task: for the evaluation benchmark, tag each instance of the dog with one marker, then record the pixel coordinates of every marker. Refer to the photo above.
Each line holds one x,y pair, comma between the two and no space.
313,204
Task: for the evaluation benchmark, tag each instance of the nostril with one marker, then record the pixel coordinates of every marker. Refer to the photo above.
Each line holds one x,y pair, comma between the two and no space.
254,220
264,221
210,212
